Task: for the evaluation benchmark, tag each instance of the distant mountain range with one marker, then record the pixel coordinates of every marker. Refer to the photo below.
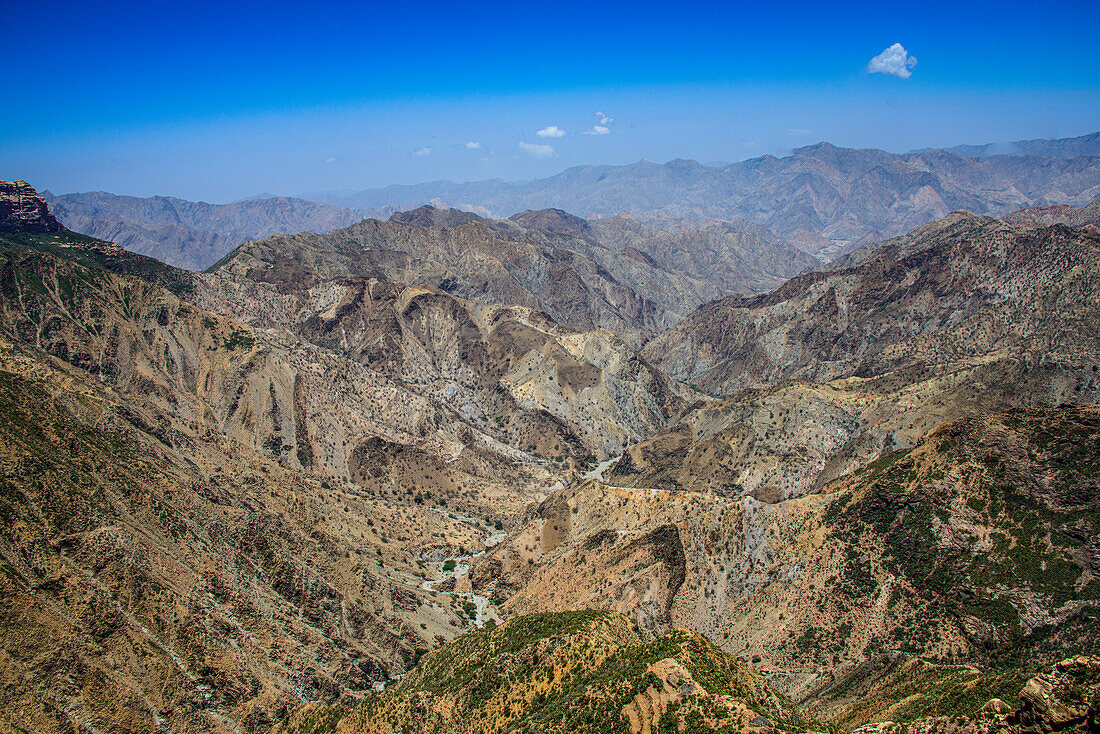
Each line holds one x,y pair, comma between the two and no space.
192,234
823,199
822,196
1061,148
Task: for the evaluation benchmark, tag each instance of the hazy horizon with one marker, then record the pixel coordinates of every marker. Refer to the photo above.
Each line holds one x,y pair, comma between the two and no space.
220,102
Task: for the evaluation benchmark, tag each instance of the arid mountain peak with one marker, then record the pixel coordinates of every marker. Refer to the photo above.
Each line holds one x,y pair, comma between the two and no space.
429,216
554,221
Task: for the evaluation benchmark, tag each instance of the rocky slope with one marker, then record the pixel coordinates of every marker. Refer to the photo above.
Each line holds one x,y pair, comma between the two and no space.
190,234
976,548
293,474
603,270
567,672
576,672
190,431
571,277
1071,216
820,192
1064,698
737,257
261,516
882,495
510,372
956,289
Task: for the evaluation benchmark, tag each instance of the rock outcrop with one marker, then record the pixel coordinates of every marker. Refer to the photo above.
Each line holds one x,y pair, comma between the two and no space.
1064,698
23,210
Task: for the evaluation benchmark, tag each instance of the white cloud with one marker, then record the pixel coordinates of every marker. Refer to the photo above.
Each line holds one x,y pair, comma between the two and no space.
423,151
799,132
473,145
602,128
894,61
330,160
537,150
551,131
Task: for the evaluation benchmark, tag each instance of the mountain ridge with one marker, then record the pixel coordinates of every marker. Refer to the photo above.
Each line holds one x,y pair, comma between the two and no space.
847,195
547,260
188,234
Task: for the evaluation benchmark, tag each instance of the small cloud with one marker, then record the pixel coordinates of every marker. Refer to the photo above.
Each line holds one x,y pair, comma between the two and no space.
537,150
330,160
799,132
894,61
423,151
750,144
473,145
602,127
551,131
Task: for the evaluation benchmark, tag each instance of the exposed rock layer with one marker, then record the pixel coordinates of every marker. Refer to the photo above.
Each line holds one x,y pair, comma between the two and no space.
23,210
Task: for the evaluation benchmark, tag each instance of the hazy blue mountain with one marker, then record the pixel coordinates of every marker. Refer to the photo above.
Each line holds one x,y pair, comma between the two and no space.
822,197
190,234
1085,145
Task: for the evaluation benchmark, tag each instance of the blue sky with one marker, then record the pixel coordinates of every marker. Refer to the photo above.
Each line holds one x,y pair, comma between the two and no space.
218,101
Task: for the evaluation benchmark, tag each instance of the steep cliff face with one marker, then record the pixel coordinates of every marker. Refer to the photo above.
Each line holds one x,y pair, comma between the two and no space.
23,210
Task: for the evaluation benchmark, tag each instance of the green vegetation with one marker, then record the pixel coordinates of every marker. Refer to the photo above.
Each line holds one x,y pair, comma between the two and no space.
240,338
1005,520
98,254
563,672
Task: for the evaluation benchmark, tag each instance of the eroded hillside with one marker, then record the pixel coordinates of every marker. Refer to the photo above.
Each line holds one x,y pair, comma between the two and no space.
962,288
583,275
978,545
260,519
302,471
